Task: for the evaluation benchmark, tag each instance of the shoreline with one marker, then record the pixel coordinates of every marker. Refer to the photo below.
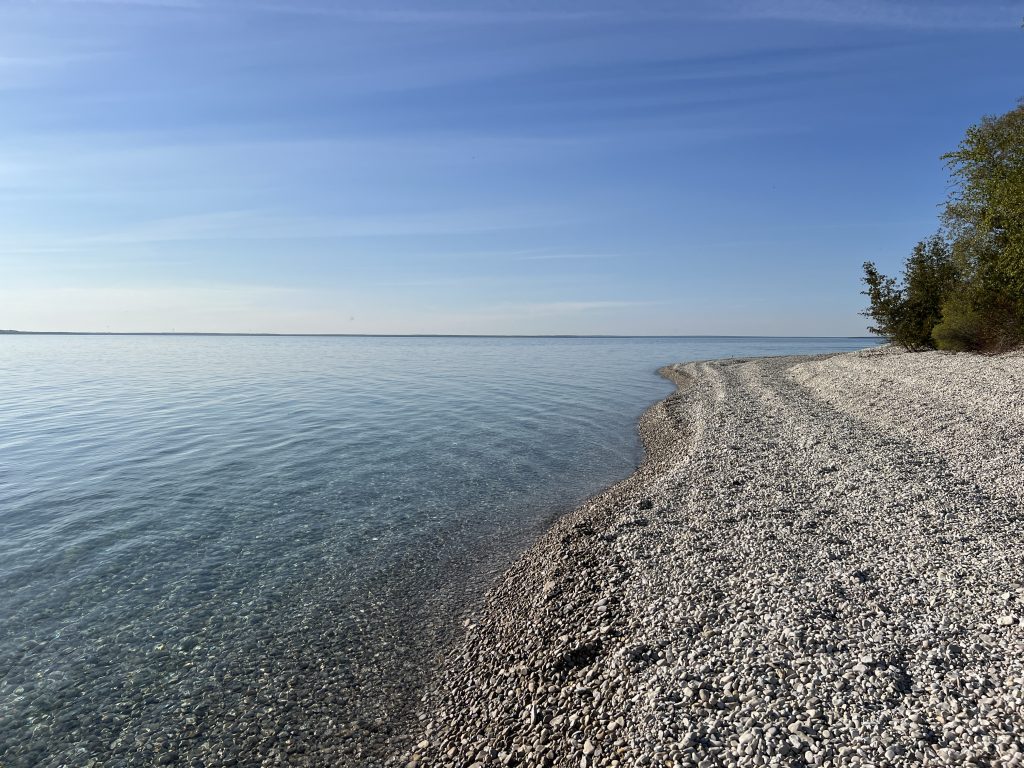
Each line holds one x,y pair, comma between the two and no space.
785,579
657,436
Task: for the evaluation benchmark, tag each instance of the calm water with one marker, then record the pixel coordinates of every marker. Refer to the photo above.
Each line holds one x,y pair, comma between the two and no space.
231,550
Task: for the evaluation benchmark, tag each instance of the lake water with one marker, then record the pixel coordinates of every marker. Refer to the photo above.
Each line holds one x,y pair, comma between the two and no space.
244,550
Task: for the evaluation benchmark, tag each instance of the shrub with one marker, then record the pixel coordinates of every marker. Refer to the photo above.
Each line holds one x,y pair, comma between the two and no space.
977,324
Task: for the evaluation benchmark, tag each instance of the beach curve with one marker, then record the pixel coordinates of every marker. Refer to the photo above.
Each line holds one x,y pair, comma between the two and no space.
798,574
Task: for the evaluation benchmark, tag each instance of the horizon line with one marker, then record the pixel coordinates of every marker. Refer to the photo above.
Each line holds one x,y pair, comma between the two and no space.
429,335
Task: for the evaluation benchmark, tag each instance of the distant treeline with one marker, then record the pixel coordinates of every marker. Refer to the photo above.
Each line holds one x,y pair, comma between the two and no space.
962,289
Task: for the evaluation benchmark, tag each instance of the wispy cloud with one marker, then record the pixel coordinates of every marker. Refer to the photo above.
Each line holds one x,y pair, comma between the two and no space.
174,4
571,307
573,316
434,282
889,13
248,225
26,71
91,163
880,13
464,13
564,256
145,307
437,15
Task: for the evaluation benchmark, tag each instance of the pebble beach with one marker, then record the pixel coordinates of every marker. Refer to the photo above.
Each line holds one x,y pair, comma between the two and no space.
820,563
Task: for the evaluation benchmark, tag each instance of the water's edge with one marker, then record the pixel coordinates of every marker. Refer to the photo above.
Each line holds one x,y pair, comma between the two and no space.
734,569
659,437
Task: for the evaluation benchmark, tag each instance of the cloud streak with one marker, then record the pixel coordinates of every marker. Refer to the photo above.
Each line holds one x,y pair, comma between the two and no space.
878,13
565,257
141,4
380,13
906,14
248,225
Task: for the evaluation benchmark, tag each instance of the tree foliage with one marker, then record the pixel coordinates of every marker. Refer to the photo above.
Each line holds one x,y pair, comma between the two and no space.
908,312
985,212
970,323
964,288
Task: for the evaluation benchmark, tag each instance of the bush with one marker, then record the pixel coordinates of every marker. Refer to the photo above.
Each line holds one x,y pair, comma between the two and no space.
962,328
976,324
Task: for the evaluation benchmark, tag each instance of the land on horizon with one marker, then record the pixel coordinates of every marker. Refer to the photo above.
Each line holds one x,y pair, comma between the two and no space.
434,335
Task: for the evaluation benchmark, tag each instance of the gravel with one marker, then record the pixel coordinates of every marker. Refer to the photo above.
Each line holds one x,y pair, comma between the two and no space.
819,564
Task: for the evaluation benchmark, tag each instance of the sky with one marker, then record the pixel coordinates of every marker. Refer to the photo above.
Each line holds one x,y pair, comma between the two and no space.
557,167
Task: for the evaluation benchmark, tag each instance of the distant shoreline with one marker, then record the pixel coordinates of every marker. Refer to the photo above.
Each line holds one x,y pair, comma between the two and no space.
423,335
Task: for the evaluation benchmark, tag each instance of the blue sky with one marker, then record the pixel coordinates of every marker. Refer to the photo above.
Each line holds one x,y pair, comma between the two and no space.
719,167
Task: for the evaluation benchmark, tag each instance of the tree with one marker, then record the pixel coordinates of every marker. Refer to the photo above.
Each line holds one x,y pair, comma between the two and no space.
908,312
964,289
985,217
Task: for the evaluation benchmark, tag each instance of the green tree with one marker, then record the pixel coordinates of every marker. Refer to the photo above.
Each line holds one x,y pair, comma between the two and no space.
907,312
985,218
965,290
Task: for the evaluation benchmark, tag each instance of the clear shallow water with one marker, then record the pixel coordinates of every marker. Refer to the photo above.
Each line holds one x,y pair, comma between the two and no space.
218,549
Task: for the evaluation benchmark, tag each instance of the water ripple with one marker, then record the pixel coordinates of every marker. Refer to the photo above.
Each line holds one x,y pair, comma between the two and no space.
209,541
